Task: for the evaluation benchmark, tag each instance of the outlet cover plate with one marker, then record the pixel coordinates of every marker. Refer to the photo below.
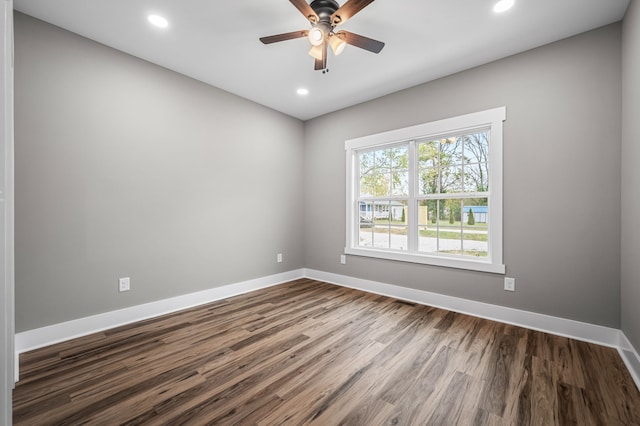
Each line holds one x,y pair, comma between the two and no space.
509,284
124,284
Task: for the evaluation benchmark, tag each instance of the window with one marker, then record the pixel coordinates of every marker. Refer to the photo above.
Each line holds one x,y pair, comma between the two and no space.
430,193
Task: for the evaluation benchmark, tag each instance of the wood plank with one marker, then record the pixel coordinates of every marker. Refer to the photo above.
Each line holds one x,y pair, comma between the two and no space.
544,409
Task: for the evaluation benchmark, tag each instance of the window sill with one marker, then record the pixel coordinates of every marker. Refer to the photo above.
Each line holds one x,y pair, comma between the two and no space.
447,262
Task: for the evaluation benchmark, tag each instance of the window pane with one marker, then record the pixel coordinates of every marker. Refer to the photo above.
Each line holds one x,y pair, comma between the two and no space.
400,182
367,170
366,233
398,237
428,154
476,154
427,213
449,226
451,151
476,243
366,186
428,181
427,226
476,147
374,184
449,241
475,221
366,162
365,211
399,157
382,158
476,177
383,182
451,179
381,210
398,213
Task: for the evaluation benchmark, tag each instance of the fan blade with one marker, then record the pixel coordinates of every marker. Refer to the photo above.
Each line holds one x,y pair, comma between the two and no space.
362,42
306,10
321,64
347,10
282,37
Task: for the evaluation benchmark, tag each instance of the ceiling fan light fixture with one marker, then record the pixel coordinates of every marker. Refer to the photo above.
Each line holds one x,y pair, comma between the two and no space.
316,36
324,16
337,43
316,52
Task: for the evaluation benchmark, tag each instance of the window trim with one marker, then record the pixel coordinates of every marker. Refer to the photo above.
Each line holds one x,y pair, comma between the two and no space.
492,119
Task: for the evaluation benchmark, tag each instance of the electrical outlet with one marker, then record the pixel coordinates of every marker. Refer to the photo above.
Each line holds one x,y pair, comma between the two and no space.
509,284
343,259
279,257
124,284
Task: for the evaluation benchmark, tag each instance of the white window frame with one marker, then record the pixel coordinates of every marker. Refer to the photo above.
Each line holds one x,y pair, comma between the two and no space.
491,119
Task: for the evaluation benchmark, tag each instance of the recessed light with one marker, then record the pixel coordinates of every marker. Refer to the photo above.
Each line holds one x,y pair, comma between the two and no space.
503,6
302,91
158,21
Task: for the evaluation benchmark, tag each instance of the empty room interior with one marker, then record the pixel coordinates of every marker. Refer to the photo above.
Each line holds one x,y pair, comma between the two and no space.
205,222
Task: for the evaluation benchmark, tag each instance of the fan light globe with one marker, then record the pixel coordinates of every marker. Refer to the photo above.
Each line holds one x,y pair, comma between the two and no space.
337,44
316,36
316,52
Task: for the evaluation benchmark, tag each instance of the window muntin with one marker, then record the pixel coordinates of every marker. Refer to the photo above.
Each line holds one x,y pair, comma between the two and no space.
422,194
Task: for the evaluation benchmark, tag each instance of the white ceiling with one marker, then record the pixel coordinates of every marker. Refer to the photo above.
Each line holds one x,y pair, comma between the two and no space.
216,41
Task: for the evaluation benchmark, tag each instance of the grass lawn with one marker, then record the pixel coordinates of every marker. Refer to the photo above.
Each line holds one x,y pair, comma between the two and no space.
446,224
467,253
453,235
431,233
442,224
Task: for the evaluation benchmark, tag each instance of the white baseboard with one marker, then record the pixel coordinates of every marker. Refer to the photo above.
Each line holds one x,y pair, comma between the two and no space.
559,326
592,333
45,336
630,357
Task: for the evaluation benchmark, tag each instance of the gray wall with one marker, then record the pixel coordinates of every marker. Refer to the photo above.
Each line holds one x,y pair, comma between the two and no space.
561,178
127,169
631,174
124,168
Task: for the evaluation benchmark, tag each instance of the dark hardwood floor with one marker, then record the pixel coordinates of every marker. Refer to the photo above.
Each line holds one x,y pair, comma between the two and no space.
308,352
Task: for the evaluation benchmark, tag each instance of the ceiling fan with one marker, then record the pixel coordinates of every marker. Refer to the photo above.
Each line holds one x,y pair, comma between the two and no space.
325,16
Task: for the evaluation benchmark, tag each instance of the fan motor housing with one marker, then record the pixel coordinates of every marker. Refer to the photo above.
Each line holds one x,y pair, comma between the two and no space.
324,9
